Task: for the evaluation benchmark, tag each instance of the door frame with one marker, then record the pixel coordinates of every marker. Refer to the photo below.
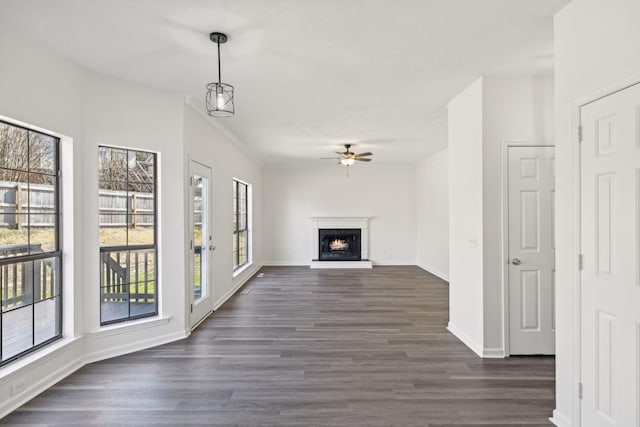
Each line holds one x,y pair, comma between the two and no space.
576,233
504,250
188,238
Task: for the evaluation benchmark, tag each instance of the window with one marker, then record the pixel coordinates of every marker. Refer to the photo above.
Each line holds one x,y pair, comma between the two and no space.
240,224
30,255
128,229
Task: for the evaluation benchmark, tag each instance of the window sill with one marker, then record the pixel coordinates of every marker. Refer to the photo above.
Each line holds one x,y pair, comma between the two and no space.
37,358
240,270
134,325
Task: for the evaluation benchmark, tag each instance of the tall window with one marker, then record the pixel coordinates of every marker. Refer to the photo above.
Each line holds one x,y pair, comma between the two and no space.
30,255
240,224
128,229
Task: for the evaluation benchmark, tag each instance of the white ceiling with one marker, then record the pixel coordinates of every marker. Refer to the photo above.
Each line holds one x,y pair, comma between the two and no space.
310,75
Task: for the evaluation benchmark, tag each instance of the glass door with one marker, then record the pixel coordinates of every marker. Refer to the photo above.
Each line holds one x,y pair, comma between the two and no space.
201,243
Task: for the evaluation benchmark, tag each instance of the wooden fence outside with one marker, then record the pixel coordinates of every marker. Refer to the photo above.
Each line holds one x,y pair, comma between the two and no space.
17,200
14,205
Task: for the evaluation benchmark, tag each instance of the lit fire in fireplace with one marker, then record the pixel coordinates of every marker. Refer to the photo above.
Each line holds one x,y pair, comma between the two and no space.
338,245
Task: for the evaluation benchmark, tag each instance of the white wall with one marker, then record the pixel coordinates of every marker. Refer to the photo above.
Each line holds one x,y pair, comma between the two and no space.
492,111
514,109
596,45
465,216
118,113
40,88
432,214
205,143
384,192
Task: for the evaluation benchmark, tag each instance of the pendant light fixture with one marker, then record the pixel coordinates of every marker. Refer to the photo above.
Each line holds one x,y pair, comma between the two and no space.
219,95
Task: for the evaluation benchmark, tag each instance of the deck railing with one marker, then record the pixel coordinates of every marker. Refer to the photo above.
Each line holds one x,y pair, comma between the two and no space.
127,275
28,280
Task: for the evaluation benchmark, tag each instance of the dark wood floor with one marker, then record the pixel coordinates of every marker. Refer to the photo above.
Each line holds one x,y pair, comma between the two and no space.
301,347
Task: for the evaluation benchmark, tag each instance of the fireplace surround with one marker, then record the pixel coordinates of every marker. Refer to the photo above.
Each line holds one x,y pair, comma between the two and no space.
337,257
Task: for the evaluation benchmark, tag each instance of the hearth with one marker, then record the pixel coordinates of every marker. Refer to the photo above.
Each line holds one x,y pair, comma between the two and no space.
339,244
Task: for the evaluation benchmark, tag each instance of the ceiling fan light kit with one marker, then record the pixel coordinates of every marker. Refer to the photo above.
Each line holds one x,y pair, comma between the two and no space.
348,161
348,158
219,98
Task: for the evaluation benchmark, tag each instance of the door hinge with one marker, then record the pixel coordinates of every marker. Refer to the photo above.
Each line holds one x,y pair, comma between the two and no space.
579,133
191,181
579,390
192,308
580,262
191,244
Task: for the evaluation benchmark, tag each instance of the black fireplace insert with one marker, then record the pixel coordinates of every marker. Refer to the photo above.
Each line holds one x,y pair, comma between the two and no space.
339,244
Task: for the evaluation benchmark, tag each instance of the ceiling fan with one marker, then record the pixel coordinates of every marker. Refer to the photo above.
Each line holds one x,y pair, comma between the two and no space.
347,158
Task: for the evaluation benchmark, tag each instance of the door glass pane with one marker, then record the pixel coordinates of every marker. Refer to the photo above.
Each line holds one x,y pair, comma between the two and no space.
200,215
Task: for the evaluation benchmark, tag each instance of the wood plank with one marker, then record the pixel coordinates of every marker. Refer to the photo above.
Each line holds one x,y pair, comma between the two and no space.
311,347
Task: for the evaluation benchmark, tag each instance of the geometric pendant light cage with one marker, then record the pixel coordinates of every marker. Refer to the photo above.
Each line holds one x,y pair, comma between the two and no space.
219,97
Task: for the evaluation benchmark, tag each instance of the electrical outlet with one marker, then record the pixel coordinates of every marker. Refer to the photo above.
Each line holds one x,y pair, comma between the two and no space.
17,388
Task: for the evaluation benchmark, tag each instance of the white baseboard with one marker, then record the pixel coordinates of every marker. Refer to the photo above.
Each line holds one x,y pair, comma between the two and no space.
132,347
77,362
393,262
307,264
493,353
9,405
286,264
14,402
468,341
44,384
559,419
434,271
341,264
485,353
250,273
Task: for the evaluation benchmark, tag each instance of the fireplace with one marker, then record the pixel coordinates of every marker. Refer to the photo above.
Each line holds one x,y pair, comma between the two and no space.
349,236
339,244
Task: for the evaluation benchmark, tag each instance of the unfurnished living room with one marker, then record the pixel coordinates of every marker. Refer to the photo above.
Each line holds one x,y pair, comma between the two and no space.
320,213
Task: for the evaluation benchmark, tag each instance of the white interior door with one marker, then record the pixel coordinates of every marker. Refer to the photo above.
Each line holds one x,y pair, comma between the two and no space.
531,250
610,278
201,243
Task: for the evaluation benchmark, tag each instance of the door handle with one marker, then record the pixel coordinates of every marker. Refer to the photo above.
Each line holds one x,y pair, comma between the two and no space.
516,261
212,248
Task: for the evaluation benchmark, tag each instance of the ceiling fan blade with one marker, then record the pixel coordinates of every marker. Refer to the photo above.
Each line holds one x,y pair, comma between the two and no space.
364,154
342,154
362,160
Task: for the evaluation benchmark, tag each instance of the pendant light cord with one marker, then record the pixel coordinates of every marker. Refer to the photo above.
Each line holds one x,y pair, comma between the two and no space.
219,72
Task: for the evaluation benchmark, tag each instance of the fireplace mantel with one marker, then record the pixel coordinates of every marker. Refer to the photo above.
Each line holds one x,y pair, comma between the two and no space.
361,222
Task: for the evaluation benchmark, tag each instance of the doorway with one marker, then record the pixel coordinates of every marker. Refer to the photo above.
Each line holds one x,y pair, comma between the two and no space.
201,246
530,242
